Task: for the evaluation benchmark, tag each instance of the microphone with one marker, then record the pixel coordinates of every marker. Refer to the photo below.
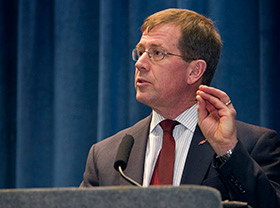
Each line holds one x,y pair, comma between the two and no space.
122,157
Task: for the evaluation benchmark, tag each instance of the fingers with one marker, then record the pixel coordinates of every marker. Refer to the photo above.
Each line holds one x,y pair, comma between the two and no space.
216,97
216,118
201,108
214,102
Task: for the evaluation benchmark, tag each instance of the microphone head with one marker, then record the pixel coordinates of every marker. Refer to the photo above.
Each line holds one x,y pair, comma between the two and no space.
123,152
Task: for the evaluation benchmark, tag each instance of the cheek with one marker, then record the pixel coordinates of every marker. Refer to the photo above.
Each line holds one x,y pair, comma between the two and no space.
174,83
167,83
173,75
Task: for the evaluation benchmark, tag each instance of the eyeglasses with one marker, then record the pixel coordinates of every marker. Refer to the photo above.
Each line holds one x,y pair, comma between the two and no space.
154,53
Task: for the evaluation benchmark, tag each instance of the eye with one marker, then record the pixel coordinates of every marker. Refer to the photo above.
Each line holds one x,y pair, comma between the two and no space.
140,51
157,54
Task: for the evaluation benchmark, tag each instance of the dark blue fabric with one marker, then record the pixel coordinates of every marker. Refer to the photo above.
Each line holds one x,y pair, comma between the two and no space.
67,78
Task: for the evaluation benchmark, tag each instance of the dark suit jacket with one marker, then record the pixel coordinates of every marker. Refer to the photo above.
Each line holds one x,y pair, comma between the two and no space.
251,174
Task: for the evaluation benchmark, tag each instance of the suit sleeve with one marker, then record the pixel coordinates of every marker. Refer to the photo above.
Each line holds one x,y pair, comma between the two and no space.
252,173
90,178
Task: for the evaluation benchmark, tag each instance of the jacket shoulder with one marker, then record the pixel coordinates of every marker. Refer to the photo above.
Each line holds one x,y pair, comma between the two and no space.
253,130
135,130
250,134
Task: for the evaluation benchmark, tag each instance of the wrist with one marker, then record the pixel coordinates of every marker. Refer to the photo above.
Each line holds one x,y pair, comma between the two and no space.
223,158
225,149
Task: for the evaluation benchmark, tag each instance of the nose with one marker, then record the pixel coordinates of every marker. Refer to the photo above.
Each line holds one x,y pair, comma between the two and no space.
143,62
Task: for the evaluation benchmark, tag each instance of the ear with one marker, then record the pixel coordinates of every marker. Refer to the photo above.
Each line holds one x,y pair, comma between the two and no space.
196,71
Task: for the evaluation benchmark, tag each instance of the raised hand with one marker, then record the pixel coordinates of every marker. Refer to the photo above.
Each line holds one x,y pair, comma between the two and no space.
216,118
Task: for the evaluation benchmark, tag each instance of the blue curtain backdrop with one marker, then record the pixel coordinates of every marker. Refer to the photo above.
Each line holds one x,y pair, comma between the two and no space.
66,76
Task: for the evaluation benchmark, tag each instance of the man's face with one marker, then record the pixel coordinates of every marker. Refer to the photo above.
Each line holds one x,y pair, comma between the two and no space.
161,84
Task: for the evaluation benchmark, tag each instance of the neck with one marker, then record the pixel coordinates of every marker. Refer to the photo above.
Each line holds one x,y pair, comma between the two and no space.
174,108
172,112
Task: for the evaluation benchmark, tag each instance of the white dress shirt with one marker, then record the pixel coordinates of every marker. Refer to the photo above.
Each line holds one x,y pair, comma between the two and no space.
182,134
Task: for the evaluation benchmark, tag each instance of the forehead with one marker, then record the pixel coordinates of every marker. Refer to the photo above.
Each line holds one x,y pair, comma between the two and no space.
166,36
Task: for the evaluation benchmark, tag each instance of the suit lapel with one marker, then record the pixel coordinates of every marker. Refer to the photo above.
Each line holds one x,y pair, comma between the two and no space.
135,165
197,163
198,160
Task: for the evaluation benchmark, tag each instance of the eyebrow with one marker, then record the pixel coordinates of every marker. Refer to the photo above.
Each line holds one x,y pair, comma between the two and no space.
140,45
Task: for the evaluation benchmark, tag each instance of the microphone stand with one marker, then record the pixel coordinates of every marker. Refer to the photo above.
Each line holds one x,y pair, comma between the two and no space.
127,178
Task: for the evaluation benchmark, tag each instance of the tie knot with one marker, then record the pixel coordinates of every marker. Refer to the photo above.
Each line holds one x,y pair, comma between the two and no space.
168,125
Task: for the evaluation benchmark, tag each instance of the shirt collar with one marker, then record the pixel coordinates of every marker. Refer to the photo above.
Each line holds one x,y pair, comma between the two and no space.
188,118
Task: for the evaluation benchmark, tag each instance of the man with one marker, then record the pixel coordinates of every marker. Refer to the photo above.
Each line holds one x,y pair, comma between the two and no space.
176,58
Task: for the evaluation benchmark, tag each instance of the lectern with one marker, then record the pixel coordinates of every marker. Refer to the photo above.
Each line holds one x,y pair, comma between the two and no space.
188,196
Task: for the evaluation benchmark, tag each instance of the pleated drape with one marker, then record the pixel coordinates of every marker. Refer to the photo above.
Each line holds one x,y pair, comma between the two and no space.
67,78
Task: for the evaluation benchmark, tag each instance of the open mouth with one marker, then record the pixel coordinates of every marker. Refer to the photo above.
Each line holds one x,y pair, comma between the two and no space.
139,80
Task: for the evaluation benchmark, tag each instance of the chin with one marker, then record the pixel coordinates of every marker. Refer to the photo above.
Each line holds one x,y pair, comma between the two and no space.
142,99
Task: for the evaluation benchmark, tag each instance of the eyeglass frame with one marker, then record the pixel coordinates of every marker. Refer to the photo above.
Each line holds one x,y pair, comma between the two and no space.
150,55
